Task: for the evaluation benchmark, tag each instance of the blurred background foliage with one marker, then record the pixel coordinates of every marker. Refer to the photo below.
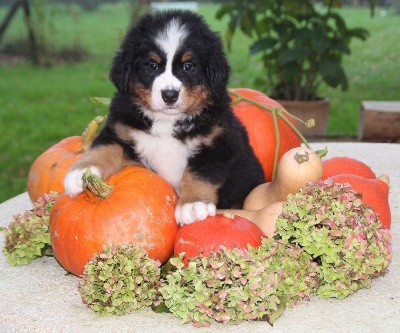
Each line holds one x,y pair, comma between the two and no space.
77,39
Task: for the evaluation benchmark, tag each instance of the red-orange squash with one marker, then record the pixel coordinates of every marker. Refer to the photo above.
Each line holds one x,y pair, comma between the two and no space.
375,193
221,230
139,210
260,127
49,169
346,165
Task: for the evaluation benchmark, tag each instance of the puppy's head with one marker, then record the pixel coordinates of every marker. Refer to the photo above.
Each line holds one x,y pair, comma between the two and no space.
171,63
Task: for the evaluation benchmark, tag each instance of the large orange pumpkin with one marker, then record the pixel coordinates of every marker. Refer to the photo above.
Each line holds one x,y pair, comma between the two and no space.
260,127
139,210
49,169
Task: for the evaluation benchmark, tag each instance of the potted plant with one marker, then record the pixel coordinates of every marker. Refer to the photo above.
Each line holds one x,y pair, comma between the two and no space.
302,44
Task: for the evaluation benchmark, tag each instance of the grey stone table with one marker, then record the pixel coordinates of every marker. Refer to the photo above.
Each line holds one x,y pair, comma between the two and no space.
41,297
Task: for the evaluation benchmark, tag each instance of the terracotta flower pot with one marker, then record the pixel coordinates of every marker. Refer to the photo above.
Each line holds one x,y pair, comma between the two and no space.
317,110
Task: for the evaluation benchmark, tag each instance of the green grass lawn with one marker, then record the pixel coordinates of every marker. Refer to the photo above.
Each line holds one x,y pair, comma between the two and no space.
39,106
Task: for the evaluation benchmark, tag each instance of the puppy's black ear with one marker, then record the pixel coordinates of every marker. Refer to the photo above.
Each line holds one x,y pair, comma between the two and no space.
121,70
217,69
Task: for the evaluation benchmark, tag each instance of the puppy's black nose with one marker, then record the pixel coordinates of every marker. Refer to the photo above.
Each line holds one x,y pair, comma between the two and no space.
170,96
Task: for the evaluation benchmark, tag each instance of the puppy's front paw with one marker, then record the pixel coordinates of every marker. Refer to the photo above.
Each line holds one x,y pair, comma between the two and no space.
194,211
73,184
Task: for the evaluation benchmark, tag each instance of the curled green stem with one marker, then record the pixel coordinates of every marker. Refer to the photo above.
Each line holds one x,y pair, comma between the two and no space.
281,113
278,142
97,186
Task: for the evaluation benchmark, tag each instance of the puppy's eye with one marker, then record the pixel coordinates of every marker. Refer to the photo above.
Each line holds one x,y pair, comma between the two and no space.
152,65
188,66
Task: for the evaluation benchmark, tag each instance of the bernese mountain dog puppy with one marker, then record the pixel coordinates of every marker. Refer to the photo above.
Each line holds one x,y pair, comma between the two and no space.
171,113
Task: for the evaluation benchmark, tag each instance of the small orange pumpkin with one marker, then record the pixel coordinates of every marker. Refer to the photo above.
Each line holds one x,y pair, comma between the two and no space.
375,193
259,124
346,165
139,210
49,169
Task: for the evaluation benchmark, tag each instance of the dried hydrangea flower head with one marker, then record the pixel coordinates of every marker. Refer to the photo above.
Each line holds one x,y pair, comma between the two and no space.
27,237
120,280
341,234
236,284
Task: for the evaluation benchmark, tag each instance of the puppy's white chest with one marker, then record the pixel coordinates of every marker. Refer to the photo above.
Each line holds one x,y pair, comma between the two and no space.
162,153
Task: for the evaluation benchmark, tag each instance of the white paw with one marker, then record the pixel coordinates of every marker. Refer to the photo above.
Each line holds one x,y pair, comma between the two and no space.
194,211
73,180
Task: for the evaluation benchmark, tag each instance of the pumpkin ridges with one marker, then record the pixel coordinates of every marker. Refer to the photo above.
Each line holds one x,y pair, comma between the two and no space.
130,214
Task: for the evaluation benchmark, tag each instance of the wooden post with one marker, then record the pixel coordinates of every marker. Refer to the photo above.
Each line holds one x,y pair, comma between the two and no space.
31,35
9,16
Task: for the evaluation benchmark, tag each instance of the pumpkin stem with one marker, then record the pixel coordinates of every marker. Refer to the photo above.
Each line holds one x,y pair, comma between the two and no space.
385,179
322,152
90,132
229,215
97,186
301,156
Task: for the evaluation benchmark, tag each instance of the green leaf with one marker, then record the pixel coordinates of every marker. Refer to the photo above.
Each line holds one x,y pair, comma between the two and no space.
303,35
292,55
160,308
101,100
262,44
320,43
247,23
222,11
339,21
359,33
333,74
340,46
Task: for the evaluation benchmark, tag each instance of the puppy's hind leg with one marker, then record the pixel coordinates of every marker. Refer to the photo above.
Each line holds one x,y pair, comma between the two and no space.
102,160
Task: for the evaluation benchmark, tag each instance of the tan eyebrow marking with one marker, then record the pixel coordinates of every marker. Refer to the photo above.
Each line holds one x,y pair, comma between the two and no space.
155,57
186,56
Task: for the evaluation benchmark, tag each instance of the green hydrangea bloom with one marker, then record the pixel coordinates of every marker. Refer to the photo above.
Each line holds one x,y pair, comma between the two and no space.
330,222
120,280
27,237
235,285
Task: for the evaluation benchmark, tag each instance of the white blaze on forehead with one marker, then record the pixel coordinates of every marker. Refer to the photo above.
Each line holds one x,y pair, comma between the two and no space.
169,40
171,37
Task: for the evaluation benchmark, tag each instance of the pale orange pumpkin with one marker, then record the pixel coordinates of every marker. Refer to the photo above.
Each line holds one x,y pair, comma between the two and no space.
49,169
139,210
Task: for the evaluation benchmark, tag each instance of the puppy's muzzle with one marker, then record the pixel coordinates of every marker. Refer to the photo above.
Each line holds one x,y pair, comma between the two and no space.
170,96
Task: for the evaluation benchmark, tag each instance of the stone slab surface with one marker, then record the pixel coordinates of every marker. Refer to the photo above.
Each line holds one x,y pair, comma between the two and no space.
41,297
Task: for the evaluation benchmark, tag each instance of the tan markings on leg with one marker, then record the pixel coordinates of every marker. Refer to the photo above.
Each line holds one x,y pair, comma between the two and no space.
125,133
194,189
186,56
155,57
109,159
209,139
141,94
195,99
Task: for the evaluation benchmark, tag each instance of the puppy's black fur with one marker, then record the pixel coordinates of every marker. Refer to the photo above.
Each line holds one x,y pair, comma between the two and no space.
222,161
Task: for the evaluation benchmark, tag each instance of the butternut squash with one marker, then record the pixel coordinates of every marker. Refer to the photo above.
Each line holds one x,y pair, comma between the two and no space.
264,218
297,167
